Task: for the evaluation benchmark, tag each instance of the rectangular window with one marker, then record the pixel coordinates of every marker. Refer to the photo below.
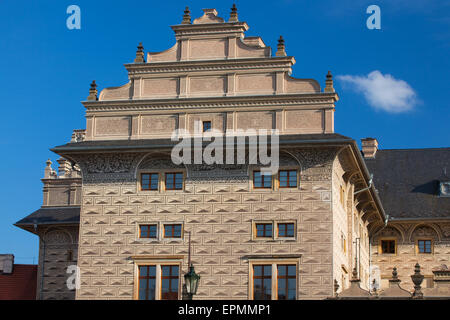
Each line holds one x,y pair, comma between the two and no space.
288,178
148,231
172,231
147,282
169,282
206,126
149,181
287,279
424,246
174,181
286,230
264,230
387,246
262,282
262,180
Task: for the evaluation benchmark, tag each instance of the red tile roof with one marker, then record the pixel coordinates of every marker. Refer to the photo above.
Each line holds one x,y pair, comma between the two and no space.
21,284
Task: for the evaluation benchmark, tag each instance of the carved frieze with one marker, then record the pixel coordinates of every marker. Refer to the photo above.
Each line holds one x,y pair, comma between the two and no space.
108,166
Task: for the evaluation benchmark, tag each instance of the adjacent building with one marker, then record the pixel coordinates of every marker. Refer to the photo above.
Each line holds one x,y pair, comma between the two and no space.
17,281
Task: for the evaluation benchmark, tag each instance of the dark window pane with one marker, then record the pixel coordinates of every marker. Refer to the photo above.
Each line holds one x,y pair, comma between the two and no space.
291,270
286,282
147,280
143,271
262,282
152,231
285,229
172,231
148,231
264,230
293,179
206,126
169,282
267,181
152,288
388,246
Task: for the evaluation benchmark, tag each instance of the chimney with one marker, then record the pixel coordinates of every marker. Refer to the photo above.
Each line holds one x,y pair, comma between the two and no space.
65,168
6,263
369,147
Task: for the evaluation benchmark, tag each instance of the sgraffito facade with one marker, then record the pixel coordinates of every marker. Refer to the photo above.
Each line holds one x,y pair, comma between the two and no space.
123,211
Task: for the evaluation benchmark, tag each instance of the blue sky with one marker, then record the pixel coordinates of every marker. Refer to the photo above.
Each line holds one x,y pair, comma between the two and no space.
46,70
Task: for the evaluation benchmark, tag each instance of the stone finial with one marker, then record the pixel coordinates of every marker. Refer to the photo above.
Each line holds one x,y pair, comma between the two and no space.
233,14
374,287
417,279
394,274
139,54
336,287
281,52
93,91
355,290
354,275
394,291
186,16
329,83
48,171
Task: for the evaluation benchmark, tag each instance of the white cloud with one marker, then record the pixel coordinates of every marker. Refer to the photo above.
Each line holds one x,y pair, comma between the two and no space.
383,91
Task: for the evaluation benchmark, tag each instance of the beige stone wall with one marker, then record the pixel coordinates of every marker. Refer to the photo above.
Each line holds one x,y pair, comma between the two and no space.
406,234
350,232
157,125
58,249
341,231
219,211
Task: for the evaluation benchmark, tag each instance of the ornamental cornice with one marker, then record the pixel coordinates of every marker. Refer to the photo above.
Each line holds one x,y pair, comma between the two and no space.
326,99
210,65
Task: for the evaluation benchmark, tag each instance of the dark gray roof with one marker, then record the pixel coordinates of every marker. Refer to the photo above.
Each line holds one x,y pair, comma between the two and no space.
408,179
98,145
52,215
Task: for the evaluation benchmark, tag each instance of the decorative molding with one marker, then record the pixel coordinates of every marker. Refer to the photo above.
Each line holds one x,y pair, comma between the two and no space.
319,100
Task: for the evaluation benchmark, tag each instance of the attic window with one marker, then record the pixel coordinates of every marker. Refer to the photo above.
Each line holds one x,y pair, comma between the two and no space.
444,189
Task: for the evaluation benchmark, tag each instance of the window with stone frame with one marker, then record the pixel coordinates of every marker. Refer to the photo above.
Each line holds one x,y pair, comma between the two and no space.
288,178
425,246
174,181
264,230
149,181
148,231
207,126
173,230
262,181
278,276
158,282
388,246
285,230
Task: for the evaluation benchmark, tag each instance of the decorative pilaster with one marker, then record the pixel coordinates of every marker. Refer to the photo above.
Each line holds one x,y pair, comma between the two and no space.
186,16
329,83
233,14
93,92
281,52
139,54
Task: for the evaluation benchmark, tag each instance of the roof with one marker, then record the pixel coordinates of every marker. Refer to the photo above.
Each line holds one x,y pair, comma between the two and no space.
52,215
104,145
20,284
407,181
